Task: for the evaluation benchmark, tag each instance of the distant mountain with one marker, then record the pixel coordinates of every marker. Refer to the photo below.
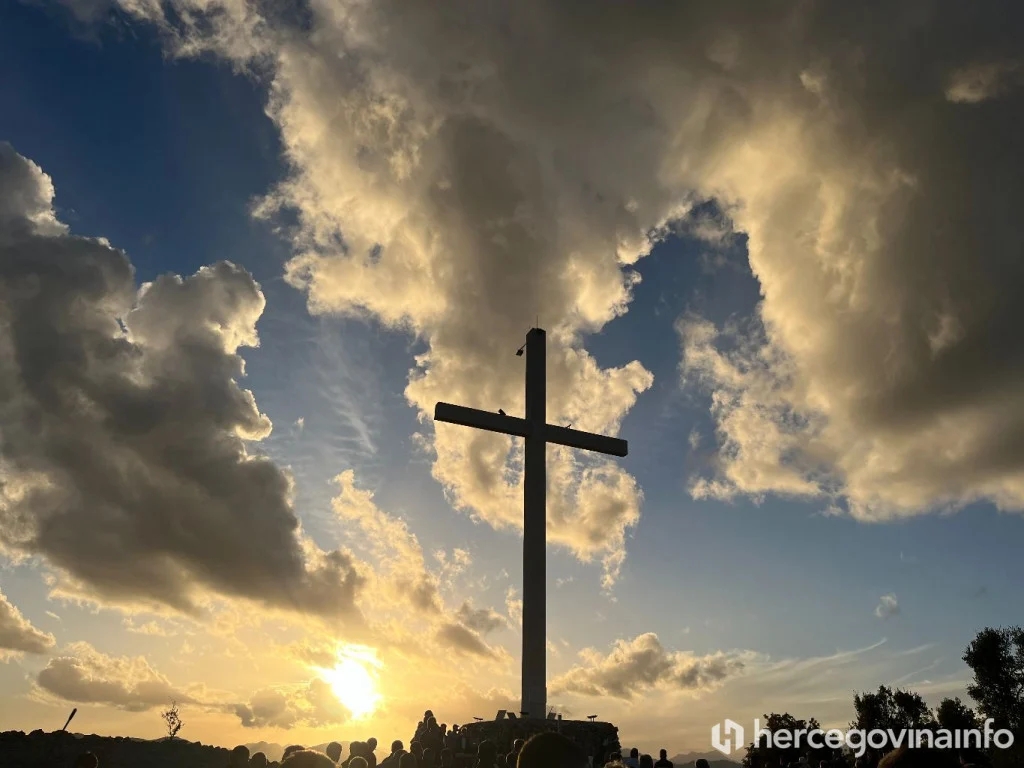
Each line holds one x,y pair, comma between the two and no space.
272,751
275,751
715,760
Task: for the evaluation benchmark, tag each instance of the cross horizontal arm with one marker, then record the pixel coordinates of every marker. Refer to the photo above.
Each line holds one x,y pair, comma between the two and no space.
587,441
471,417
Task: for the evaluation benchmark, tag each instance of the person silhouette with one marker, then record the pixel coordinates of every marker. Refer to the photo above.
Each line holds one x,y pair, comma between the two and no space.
239,757
551,750
397,750
486,754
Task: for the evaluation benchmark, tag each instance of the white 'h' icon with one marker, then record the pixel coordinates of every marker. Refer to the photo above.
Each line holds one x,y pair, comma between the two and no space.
726,745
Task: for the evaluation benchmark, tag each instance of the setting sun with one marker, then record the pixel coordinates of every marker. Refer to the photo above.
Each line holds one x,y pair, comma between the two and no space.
353,681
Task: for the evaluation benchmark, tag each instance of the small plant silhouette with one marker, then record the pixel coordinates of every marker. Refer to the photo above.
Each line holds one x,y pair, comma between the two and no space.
173,721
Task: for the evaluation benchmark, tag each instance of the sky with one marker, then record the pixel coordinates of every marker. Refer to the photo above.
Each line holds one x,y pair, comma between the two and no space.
246,246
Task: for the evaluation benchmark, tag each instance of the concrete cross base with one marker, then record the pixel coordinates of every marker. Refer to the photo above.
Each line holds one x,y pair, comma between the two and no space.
598,740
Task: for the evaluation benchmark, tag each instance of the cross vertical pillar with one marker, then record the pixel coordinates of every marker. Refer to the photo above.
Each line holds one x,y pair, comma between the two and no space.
537,433
534,702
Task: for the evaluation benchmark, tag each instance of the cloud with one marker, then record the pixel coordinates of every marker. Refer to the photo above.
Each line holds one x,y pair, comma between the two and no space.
464,640
148,628
982,81
17,634
881,364
459,171
124,460
401,578
452,565
85,676
641,664
311,704
447,218
91,12
888,606
396,551
482,620
818,686
720,244
514,606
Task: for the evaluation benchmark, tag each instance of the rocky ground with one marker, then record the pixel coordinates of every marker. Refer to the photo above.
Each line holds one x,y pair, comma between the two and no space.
59,749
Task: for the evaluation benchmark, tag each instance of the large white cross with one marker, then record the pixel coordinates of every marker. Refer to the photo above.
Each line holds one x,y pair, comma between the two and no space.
538,434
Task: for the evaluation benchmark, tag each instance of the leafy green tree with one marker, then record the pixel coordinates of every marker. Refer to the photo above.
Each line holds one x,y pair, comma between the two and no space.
996,656
954,715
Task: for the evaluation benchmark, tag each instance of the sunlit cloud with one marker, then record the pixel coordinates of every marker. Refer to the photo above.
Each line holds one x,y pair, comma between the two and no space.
18,635
640,664
86,676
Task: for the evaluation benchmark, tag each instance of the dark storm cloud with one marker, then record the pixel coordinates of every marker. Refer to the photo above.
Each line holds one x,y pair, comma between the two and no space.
123,445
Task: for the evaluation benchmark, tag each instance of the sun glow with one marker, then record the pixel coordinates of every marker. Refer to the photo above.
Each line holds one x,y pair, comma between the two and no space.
353,680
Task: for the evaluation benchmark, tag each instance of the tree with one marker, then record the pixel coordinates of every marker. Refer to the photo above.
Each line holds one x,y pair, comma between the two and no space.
172,720
763,754
891,710
954,715
996,656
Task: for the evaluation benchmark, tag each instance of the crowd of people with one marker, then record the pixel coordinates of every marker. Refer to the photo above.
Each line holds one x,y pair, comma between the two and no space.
434,745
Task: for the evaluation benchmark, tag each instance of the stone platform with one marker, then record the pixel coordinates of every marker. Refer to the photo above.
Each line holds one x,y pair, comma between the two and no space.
596,739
